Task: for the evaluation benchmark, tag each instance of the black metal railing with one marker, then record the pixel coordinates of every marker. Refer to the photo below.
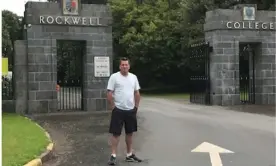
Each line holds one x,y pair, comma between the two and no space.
200,73
247,92
247,74
69,97
69,74
7,88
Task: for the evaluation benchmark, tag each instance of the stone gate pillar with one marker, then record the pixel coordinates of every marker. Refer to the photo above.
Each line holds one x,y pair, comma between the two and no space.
225,29
20,75
48,22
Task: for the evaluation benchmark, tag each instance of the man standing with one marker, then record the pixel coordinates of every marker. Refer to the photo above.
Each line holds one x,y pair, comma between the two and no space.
124,97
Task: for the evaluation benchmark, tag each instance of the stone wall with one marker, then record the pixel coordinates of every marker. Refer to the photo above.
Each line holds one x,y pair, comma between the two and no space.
42,59
224,65
20,71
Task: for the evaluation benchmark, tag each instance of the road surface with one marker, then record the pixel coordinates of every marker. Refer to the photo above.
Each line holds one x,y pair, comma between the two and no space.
169,135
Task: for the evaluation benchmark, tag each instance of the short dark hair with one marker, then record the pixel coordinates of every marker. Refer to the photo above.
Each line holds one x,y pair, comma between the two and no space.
124,59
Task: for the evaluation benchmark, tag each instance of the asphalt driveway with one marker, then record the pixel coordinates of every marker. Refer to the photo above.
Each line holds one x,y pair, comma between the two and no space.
168,132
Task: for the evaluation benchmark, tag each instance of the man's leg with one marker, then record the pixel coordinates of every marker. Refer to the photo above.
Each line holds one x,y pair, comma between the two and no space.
115,129
130,128
114,144
129,143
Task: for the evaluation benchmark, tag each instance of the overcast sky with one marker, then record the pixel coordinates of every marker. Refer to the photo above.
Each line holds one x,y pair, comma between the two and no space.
16,6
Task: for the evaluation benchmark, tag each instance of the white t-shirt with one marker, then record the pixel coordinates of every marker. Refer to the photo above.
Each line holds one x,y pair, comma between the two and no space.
123,88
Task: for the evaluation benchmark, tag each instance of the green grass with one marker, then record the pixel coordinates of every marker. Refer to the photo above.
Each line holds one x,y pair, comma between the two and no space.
22,140
185,96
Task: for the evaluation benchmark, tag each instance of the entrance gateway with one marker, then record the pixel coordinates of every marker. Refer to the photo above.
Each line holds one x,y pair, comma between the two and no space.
240,65
70,70
64,61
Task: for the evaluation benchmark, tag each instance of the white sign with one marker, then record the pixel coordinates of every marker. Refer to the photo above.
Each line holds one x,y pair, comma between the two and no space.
70,20
214,152
101,66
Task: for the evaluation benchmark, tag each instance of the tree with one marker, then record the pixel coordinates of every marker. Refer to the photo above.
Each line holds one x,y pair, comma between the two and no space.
6,40
153,34
11,31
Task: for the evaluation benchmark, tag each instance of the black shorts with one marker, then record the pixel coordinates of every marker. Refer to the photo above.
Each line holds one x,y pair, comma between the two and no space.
123,117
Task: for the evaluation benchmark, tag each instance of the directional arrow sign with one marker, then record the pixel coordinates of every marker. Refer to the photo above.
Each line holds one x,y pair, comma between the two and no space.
214,152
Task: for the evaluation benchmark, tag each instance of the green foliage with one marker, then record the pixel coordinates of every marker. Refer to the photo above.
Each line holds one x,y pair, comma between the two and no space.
155,35
11,31
7,88
6,40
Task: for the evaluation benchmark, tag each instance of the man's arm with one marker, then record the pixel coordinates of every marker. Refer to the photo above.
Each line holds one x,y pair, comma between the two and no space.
110,98
137,98
137,93
110,90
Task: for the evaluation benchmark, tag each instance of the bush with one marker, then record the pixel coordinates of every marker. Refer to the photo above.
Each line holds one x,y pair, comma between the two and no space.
7,88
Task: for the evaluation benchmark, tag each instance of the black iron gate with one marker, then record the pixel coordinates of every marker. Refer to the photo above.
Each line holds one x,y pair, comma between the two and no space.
247,73
200,73
69,74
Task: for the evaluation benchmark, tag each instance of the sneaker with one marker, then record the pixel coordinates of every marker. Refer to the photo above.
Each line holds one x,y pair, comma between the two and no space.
133,158
112,160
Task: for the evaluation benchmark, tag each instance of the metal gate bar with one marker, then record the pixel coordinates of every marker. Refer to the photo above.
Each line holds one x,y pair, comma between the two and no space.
70,69
200,75
247,74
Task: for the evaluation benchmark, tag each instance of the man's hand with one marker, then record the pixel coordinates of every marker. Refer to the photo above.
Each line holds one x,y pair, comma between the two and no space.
137,99
110,99
112,107
135,109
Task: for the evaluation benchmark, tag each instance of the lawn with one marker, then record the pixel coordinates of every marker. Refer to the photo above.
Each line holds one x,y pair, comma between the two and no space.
180,96
22,140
